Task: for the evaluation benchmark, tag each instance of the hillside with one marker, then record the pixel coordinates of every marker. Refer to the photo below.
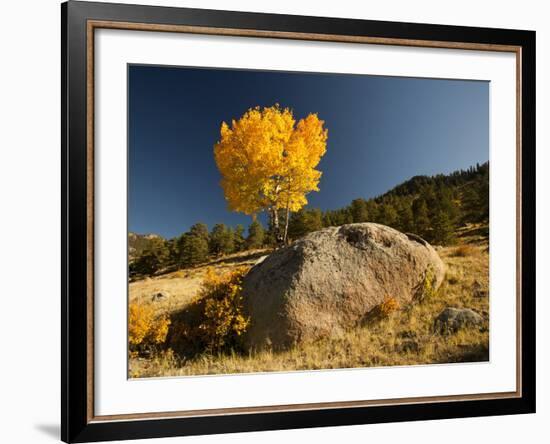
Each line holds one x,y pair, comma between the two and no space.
458,178
405,337
433,207
139,243
186,312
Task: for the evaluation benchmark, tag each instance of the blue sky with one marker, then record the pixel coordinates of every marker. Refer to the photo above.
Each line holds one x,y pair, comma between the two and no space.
381,132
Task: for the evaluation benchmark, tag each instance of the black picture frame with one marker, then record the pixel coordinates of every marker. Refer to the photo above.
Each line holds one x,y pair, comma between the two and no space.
76,423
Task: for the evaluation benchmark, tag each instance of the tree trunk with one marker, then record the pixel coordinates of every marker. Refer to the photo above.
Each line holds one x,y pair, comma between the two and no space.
285,238
287,216
276,227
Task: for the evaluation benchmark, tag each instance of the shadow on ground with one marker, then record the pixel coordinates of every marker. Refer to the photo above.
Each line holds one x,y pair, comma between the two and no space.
468,353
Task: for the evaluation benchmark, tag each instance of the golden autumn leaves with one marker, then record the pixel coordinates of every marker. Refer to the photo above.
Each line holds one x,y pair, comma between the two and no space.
268,162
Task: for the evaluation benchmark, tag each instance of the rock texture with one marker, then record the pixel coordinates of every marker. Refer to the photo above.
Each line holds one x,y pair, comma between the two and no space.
451,319
329,280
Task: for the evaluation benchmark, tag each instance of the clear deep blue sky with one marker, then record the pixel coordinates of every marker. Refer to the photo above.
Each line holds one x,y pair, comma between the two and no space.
381,132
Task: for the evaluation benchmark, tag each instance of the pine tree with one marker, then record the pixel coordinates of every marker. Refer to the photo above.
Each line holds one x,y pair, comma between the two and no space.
470,199
195,250
221,240
387,215
193,245
443,229
405,221
372,210
421,218
305,221
238,237
155,257
483,201
255,237
359,210
200,230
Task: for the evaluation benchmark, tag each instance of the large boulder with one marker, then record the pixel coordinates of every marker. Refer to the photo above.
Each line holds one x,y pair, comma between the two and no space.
329,280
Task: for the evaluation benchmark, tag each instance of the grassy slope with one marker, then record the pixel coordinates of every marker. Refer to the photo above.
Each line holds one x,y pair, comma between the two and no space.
405,337
182,286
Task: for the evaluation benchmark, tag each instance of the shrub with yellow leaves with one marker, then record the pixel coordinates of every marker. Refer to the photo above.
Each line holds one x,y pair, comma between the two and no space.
427,288
145,330
389,305
216,320
223,315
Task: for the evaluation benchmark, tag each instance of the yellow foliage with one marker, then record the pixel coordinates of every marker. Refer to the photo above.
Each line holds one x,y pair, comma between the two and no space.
389,305
216,320
427,290
144,328
268,161
223,318
383,310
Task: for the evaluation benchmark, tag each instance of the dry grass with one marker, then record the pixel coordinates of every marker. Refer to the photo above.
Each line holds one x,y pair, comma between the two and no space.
181,287
403,337
464,250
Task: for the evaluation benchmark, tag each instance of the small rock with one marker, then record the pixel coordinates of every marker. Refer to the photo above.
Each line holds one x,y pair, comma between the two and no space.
453,319
159,296
261,259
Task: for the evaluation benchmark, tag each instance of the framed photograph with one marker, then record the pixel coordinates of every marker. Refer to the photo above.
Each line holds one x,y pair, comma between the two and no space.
276,221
